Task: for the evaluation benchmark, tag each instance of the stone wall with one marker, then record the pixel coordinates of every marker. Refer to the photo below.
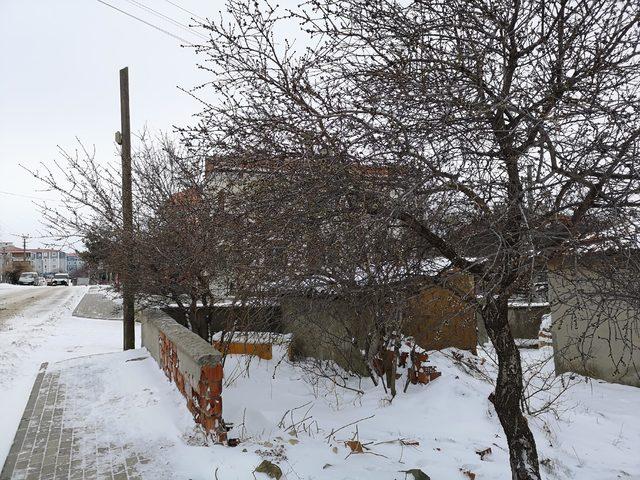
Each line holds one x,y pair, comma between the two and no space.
191,363
253,318
319,329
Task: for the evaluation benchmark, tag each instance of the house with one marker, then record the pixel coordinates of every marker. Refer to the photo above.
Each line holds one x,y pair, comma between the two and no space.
6,259
334,324
41,260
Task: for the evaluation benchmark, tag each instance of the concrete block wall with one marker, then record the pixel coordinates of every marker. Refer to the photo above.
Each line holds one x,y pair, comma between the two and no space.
191,363
593,334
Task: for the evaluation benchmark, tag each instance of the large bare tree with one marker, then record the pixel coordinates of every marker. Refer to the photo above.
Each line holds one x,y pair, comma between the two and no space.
510,122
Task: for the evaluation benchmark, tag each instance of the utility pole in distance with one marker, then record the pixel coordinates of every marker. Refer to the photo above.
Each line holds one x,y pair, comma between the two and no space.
128,295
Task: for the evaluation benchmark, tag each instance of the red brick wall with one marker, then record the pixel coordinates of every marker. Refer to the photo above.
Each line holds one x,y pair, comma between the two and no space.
204,395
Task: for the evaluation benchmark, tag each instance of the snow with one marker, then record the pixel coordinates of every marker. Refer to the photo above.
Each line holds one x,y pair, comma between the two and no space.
44,331
546,322
300,422
128,402
527,304
527,342
451,418
253,337
107,291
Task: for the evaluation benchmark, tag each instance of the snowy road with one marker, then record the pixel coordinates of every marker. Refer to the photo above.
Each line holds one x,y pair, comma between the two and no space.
14,299
36,326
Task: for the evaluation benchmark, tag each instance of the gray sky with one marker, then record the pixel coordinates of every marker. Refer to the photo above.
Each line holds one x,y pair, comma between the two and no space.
59,62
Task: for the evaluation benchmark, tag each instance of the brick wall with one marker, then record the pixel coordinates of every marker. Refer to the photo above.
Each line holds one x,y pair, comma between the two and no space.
191,364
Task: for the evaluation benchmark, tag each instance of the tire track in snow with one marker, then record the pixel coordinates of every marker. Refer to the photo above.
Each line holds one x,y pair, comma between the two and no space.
30,325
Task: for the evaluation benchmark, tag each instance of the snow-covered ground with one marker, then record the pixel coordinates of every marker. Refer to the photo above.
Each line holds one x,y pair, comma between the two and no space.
42,330
437,428
282,414
302,426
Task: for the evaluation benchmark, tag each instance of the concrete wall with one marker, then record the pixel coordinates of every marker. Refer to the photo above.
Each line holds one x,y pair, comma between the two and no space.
257,319
189,362
524,322
319,327
593,335
322,327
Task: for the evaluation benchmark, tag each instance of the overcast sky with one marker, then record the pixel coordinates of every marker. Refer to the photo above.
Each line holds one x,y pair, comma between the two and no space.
59,62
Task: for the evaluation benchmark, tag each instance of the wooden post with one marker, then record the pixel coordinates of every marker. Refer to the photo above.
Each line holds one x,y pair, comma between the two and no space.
128,295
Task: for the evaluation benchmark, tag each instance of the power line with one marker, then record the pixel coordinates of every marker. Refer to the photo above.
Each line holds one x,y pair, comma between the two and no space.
166,32
2,192
167,18
187,11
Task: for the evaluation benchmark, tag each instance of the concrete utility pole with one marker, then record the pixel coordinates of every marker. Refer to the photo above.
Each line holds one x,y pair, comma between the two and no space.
128,295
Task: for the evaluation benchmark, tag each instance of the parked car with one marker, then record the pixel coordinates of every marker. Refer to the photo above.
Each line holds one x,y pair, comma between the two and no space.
60,279
29,278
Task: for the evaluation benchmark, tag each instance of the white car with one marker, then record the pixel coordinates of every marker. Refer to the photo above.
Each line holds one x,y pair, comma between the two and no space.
60,279
29,278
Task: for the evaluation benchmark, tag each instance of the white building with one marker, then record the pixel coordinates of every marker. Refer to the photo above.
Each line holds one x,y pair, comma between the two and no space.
47,260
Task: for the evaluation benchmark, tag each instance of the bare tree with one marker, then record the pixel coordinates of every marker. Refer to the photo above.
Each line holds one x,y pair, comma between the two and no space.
517,119
176,250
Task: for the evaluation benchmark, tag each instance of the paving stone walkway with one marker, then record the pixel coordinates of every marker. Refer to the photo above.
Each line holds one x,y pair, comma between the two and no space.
50,443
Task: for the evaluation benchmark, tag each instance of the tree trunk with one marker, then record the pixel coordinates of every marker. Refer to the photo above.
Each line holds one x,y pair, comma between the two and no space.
508,393
390,369
198,323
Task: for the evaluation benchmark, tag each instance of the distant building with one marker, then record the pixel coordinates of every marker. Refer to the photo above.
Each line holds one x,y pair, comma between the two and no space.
41,260
46,260
5,258
17,254
12,257
74,263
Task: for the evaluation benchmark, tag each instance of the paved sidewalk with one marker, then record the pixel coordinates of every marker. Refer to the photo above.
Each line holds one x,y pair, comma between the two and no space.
52,444
96,303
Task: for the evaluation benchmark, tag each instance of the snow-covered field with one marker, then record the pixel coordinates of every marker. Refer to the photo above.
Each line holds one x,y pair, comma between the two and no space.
281,414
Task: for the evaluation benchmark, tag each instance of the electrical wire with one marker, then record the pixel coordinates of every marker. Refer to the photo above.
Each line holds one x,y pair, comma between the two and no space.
186,11
148,23
167,18
2,192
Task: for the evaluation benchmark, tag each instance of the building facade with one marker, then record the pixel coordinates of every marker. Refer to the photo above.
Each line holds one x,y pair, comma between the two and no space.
47,261
595,328
5,259
41,260
74,263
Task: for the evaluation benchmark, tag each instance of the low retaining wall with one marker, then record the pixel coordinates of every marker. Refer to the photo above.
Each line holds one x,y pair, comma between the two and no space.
189,362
